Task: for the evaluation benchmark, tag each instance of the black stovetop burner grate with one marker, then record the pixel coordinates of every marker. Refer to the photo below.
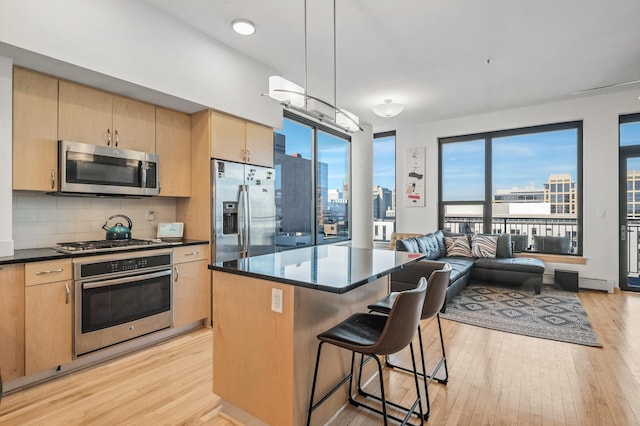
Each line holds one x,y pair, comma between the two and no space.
100,245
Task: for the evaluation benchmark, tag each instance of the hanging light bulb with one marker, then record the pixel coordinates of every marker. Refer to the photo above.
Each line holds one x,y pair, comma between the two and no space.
388,108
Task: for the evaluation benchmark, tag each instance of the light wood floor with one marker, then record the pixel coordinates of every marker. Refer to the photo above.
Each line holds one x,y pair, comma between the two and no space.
495,379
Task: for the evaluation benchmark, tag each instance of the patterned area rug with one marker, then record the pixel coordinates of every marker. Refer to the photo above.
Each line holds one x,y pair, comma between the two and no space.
553,314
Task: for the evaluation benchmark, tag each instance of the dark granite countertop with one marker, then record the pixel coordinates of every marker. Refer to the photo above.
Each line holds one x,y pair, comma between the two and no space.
41,254
336,269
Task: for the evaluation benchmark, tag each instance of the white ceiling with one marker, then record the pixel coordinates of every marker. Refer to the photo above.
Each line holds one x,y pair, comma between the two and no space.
430,54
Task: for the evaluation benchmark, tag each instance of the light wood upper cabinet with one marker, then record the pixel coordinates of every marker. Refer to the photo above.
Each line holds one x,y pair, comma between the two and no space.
48,315
259,144
12,321
173,146
92,116
134,124
35,131
235,139
227,137
192,290
85,114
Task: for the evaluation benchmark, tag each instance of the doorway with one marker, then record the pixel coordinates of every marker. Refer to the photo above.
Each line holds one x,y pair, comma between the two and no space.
629,178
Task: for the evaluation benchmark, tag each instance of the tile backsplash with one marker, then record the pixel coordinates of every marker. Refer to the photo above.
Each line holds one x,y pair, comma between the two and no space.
41,220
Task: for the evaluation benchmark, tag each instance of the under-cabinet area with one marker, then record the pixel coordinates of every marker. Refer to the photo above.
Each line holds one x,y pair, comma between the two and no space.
64,313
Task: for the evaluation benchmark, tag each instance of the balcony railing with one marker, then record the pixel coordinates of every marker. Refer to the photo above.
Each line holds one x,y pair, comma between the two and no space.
529,229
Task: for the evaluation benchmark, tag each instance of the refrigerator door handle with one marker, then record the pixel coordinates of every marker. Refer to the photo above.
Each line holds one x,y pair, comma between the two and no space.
244,234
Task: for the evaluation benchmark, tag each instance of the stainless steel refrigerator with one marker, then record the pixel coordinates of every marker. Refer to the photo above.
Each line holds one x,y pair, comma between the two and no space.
243,210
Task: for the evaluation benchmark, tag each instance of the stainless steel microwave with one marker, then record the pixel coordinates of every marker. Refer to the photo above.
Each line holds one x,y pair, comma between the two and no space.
101,170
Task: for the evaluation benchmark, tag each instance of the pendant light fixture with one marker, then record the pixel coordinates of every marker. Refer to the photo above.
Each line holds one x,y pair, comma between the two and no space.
295,97
388,108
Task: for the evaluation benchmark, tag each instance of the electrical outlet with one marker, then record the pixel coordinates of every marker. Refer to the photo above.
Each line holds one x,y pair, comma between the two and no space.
150,215
276,300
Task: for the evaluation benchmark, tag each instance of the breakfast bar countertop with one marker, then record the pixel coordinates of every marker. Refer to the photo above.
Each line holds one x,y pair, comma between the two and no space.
332,268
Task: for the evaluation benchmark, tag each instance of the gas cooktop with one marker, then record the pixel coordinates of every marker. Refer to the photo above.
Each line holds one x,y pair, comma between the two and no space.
103,245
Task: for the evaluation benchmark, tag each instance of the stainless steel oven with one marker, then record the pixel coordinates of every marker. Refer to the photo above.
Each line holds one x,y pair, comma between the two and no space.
94,169
121,296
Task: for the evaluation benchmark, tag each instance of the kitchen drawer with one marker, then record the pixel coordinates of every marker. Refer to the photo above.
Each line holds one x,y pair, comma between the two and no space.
47,272
190,253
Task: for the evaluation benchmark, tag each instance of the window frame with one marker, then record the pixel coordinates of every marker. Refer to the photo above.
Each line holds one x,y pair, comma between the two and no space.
488,168
381,135
316,127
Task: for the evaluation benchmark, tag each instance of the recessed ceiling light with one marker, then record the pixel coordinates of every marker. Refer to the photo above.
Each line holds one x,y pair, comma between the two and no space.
243,27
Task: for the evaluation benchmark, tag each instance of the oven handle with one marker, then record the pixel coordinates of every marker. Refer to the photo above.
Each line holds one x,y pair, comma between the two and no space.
125,280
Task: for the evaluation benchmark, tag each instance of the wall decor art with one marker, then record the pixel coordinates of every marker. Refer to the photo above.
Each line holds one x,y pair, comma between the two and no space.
414,186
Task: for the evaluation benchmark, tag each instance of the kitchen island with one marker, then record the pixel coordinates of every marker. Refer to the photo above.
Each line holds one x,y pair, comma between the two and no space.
267,313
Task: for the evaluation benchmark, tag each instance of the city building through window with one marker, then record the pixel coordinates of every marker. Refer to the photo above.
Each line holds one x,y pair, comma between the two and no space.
313,184
384,186
526,182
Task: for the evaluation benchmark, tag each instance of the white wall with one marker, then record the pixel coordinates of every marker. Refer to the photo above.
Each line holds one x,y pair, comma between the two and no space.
6,73
134,42
600,168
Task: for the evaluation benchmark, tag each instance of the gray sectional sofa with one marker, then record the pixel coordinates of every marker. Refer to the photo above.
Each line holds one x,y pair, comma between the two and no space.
502,269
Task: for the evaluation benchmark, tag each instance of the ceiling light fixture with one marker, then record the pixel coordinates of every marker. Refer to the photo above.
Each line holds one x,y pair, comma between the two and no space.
388,108
295,97
243,27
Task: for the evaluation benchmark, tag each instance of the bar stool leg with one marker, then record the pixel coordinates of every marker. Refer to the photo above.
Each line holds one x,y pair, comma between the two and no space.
313,386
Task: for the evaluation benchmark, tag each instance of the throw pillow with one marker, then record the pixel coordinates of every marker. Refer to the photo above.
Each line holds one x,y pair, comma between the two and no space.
484,245
458,246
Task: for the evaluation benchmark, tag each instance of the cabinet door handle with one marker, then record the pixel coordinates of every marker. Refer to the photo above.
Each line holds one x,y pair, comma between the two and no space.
248,155
159,187
117,138
51,271
177,273
67,292
108,137
53,179
193,253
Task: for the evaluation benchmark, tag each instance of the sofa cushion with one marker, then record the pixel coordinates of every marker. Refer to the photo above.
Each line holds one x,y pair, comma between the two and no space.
484,245
458,246
459,266
429,244
442,246
407,244
515,264
520,242
504,247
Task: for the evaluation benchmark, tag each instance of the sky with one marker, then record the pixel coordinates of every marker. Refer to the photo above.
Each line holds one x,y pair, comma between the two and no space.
519,161
331,150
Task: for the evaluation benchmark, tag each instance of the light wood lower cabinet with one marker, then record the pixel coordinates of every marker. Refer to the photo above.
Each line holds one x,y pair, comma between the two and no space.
48,315
12,321
191,289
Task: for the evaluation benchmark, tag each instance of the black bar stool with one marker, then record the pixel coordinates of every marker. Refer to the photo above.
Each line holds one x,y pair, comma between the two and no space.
433,302
373,334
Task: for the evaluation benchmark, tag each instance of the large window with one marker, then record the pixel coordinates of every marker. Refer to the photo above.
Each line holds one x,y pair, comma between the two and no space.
526,182
384,185
313,184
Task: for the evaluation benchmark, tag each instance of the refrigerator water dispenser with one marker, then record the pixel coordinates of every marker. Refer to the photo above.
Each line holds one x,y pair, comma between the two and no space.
229,217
